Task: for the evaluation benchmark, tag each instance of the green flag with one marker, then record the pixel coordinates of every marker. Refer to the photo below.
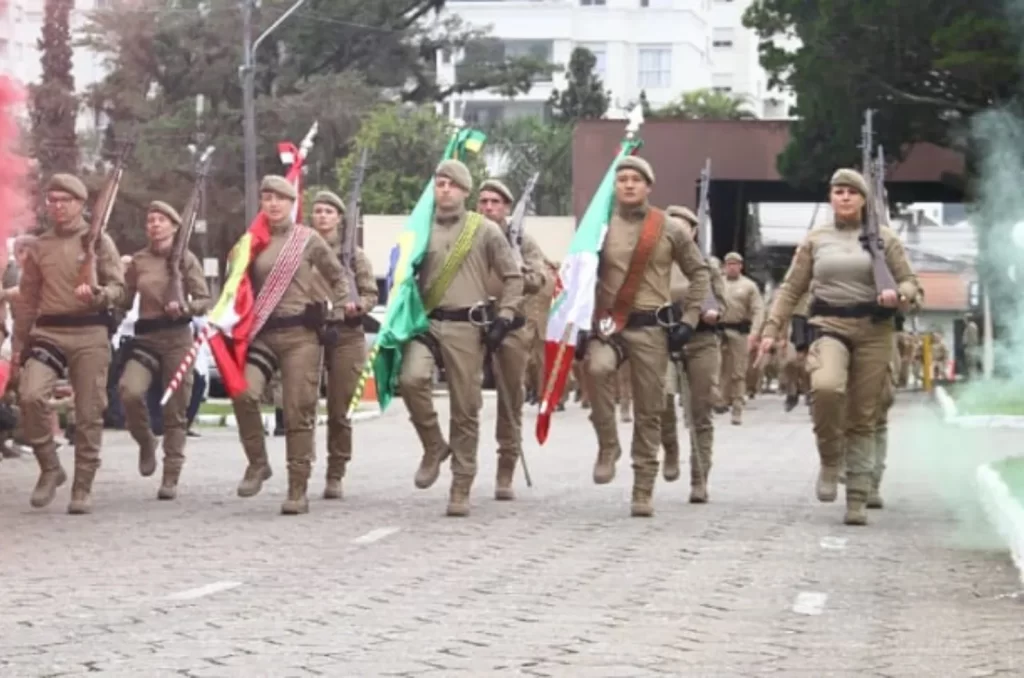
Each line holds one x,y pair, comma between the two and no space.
406,316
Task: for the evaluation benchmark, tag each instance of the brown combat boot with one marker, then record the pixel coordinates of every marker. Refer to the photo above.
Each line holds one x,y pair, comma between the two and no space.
458,497
335,473
297,503
874,498
670,464
147,458
503,482
828,483
256,473
858,486
641,506
81,490
604,467
430,467
51,475
169,485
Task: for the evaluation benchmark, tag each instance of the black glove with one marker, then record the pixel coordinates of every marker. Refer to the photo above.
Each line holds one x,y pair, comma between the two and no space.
496,333
678,336
581,344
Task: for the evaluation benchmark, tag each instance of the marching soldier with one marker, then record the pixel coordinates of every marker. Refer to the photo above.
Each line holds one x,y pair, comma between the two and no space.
701,358
972,342
344,341
849,360
633,284
162,338
906,343
741,325
465,251
538,306
494,202
940,355
67,332
289,342
795,368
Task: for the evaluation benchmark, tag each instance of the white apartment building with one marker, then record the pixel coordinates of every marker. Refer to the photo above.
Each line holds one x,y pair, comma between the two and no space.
21,24
661,47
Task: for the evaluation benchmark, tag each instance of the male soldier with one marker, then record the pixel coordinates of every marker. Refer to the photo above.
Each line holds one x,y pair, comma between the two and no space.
795,367
464,251
538,306
345,343
701,359
66,331
972,341
495,202
940,355
289,341
741,323
641,244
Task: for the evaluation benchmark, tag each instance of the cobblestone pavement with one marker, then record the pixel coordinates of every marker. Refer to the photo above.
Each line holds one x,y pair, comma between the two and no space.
763,581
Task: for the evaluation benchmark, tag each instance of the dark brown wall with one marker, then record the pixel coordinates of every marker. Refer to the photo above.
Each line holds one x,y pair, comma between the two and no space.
740,150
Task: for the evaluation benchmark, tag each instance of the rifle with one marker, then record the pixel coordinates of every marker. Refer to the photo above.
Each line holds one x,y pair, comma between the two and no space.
515,222
353,218
175,288
102,209
871,236
704,233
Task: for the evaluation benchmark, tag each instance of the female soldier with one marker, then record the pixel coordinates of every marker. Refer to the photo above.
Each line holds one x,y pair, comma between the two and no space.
848,363
346,352
702,357
163,335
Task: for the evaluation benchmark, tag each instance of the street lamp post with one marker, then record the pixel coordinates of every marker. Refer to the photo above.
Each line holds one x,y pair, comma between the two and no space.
248,74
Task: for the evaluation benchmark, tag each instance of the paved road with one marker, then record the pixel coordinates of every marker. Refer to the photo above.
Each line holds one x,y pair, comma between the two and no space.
763,581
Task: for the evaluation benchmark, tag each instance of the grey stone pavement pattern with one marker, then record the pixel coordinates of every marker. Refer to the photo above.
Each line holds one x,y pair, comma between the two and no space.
763,581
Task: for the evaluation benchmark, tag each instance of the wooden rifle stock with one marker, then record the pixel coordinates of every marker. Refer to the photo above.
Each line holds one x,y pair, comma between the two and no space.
176,287
871,235
352,221
515,221
102,209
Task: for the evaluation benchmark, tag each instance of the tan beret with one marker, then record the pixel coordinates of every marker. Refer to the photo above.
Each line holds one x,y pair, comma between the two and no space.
496,186
637,163
275,183
160,207
328,198
457,172
734,256
68,183
680,212
851,178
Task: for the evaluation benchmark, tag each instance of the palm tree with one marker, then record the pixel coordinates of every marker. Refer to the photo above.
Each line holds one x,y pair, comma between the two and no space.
708,104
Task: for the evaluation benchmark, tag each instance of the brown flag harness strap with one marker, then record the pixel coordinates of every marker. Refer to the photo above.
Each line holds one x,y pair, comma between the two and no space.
650,233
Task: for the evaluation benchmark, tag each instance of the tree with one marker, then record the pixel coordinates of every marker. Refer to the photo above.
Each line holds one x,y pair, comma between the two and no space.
584,96
707,104
523,146
924,67
404,144
54,107
645,105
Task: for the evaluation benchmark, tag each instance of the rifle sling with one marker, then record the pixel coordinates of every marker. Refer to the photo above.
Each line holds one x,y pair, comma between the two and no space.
650,233
438,288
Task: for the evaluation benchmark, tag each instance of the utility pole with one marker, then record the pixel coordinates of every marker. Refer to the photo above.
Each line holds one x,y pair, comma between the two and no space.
248,74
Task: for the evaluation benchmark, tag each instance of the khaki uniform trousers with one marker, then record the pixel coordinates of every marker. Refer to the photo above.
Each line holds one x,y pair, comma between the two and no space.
625,392
795,373
343,362
511,359
297,351
882,428
846,379
87,350
463,353
171,345
702,356
647,353
734,370
534,341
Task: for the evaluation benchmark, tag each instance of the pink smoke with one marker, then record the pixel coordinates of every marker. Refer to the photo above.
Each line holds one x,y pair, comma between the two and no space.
14,167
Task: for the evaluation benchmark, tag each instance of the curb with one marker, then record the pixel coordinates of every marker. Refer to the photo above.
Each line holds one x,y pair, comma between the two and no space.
1004,511
229,421
951,415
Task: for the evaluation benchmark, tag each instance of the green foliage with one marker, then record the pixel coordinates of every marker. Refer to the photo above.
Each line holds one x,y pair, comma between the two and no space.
924,67
706,104
404,146
527,145
54,107
584,96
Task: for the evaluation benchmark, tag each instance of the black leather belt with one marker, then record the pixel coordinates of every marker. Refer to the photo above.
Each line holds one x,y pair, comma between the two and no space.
148,325
286,322
638,319
863,310
353,322
741,327
460,315
102,319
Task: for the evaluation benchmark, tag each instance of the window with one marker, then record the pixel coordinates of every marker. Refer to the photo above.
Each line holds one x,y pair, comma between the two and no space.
592,3
724,90
655,67
656,4
600,52
722,43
